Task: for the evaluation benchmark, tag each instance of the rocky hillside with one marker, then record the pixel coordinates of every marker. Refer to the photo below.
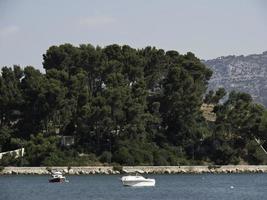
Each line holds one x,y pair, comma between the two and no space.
242,73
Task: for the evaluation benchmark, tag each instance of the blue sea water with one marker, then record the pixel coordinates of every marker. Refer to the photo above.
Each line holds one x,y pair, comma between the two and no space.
109,187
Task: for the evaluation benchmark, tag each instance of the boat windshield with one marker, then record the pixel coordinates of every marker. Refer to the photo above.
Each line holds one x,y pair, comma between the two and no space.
56,173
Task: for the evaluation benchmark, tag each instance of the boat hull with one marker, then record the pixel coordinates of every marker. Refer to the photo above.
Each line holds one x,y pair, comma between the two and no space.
56,180
139,183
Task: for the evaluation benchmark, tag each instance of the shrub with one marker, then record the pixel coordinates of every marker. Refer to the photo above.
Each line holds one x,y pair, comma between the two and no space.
122,156
160,159
2,168
182,161
9,159
117,168
148,158
105,157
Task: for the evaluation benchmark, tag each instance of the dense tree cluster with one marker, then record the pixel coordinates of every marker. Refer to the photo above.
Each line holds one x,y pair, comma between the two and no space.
126,106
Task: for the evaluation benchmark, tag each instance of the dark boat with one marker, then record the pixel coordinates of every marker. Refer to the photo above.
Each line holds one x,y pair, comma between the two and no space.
57,177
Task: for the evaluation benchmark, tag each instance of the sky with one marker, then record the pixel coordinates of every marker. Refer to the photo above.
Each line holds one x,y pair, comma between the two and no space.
208,28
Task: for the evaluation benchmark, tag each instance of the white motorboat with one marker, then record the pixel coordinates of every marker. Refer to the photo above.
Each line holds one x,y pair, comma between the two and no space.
57,177
137,181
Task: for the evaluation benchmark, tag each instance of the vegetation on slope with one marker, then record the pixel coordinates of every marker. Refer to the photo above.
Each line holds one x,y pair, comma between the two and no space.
126,106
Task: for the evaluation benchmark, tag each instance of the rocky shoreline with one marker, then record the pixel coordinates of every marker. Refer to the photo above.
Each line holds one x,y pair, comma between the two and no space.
108,170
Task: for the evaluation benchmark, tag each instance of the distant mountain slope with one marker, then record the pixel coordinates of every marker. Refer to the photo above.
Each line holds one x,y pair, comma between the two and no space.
242,73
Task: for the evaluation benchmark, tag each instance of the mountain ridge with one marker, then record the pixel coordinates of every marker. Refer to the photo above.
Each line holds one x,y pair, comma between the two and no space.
242,73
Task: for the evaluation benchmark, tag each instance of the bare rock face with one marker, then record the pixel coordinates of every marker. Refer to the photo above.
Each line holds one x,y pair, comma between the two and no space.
241,73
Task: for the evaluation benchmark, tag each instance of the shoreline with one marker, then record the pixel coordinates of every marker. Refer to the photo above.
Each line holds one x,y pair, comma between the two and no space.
109,170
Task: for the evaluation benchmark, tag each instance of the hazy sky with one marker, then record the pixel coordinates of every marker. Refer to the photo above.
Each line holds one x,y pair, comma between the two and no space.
209,28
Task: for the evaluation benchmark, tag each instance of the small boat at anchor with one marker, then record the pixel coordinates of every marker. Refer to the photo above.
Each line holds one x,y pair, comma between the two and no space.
137,181
57,177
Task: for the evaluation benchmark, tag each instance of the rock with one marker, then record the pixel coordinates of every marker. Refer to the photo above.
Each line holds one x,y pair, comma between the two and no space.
8,172
167,171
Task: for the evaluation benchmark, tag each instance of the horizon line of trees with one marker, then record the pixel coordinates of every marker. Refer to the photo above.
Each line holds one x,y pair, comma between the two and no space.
126,106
